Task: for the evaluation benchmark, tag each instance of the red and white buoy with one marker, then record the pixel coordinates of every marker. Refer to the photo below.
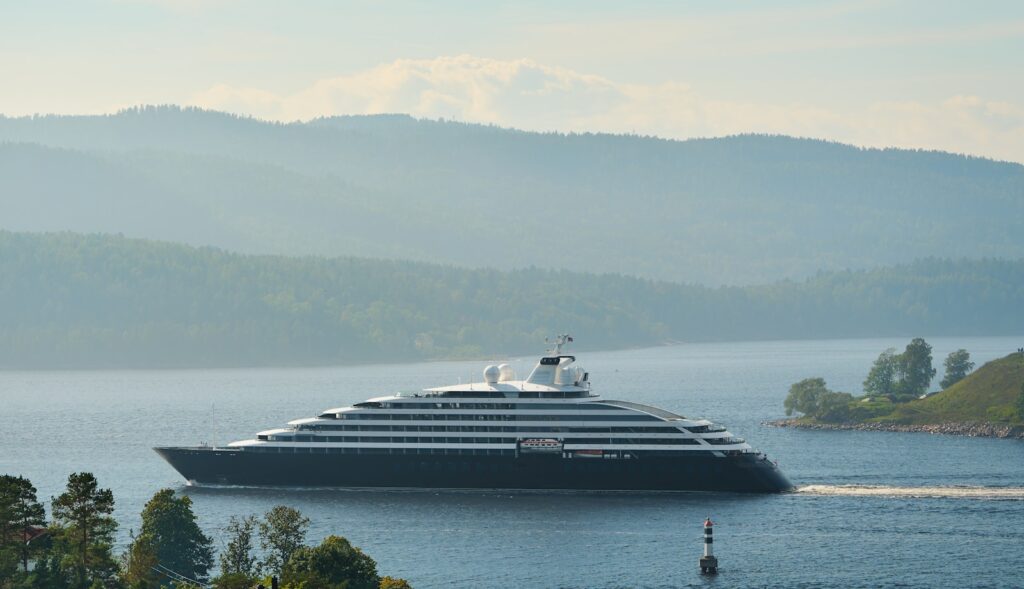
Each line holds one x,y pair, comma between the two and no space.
708,562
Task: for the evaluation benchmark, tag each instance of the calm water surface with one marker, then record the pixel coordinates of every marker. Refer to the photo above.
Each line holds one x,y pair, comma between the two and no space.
909,510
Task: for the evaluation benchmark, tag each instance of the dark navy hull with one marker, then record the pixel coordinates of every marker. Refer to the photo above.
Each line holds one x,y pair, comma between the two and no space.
689,471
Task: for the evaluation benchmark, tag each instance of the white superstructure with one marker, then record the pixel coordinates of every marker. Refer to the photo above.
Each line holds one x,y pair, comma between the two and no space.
551,410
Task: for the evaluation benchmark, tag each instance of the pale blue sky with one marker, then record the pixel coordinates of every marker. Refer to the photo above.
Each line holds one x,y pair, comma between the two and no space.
944,75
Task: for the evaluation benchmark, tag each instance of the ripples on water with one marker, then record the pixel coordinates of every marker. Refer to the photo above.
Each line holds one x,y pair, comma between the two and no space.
871,509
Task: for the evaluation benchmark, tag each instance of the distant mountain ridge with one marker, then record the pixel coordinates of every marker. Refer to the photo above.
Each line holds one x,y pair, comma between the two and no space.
736,210
84,301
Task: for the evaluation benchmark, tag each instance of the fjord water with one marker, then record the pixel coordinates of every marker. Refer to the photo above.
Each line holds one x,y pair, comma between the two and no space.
895,509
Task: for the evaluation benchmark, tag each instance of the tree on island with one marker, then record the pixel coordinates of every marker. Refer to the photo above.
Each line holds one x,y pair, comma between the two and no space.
169,526
812,398
958,364
85,530
915,370
20,512
881,381
902,377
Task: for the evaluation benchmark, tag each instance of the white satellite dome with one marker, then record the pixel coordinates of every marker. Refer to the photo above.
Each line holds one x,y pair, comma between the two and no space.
491,374
506,372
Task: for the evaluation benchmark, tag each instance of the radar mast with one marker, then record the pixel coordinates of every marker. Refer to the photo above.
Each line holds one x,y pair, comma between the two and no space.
560,340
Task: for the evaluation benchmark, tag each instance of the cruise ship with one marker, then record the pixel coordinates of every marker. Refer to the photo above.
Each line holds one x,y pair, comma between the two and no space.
548,431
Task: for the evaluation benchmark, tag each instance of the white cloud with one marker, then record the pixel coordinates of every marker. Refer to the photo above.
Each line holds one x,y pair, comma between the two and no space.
528,95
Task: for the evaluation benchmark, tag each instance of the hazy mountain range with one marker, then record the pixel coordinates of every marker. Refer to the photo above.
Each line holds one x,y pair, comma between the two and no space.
738,210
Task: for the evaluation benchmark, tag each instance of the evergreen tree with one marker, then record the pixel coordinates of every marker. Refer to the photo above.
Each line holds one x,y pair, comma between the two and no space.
237,557
169,526
87,530
20,511
881,381
915,370
46,574
282,532
958,364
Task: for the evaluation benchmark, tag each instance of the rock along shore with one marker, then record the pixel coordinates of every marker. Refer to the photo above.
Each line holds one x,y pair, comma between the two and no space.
972,429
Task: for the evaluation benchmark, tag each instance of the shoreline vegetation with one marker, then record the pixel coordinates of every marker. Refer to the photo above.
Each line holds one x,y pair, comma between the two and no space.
74,549
988,402
78,301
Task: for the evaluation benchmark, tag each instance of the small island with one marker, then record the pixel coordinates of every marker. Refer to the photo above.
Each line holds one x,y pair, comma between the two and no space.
988,402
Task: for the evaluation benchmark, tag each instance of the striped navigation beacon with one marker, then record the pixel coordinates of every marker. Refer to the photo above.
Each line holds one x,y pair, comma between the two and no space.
708,562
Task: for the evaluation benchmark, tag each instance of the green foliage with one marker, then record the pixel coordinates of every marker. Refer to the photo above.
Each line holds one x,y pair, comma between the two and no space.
138,562
46,573
20,511
901,377
334,564
8,565
1020,403
812,398
86,530
169,524
958,365
881,381
834,407
865,408
237,558
109,301
235,581
915,370
989,394
803,396
282,533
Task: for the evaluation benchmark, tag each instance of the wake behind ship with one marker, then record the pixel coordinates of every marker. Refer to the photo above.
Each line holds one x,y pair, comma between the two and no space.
548,431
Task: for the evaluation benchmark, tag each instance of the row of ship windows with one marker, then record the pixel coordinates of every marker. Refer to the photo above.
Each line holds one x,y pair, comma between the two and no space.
428,451
666,428
447,452
456,417
501,395
447,440
560,406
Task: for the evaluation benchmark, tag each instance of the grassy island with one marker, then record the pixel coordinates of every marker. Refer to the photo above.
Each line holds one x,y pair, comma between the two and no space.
986,402
990,394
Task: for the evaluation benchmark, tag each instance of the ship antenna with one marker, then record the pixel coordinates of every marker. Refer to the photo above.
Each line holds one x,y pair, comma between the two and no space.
560,341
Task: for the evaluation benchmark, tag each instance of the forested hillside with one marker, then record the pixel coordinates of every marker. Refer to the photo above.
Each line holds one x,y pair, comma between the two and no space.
737,210
69,300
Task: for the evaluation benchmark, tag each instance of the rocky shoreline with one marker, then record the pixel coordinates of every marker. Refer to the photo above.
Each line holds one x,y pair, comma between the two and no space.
971,429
